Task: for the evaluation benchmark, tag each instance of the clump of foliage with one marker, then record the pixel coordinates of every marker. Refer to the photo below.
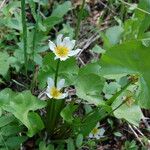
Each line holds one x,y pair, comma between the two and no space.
116,84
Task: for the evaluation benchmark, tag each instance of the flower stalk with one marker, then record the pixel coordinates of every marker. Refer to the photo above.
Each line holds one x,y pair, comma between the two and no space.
80,14
24,27
63,49
56,73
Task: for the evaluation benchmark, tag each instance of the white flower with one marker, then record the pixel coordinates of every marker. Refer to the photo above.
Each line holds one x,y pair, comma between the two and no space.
55,92
63,48
97,132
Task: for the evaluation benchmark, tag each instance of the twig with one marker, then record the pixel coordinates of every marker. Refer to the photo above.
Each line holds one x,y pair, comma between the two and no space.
142,10
2,4
107,7
89,42
82,62
138,130
20,84
136,135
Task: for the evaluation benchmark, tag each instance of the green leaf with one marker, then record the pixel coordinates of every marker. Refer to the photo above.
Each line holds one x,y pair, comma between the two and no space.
35,123
9,130
90,121
89,88
68,70
5,96
42,146
67,31
98,49
110,89
14,142
114,34
132,114
91,68
67,112
57,15
62,9
21,105
118,134
129,58
6,119
70,144
79,140
4,64
143,18
42,2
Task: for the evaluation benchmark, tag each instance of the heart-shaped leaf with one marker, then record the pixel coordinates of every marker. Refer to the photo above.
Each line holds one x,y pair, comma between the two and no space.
130,58
89,88
22,105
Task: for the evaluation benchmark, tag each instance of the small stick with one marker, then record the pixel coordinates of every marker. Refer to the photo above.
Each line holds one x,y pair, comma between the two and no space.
2,4
128,4
136,135
138,130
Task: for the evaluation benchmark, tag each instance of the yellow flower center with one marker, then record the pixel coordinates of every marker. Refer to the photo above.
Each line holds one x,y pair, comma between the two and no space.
62,51
95,131
55,93
129,101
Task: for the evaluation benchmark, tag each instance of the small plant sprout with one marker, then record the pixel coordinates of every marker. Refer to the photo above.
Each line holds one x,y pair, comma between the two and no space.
97,132
63,49
53,91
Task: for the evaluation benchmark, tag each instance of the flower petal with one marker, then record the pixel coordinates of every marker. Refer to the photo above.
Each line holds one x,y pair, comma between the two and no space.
59,57
101,131
74,52
68,43
64,95
63,58
66,40
97,125
60,84
50,82
97,137
72,44
90,135
52,46
59,39
48,93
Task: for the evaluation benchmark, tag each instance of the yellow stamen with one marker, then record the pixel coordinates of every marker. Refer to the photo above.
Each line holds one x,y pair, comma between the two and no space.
95,131
62,51
55,93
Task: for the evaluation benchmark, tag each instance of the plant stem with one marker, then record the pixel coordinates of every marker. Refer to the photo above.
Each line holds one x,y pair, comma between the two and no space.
24,27
56,73
116,108
111,100
57,106
35,30
130,5
80,14
33,48
52,112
